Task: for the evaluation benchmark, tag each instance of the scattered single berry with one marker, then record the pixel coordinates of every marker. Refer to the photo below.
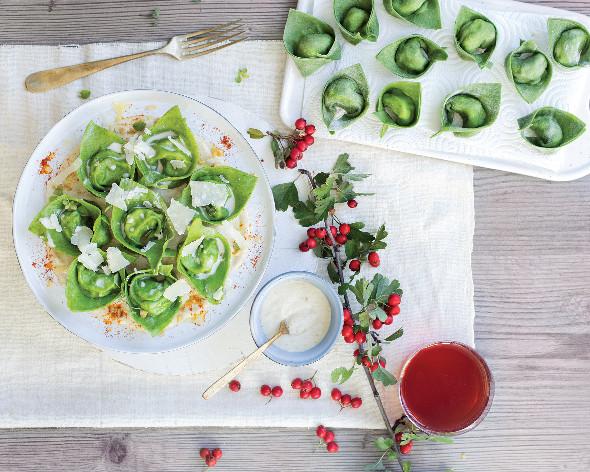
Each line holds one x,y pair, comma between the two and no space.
352,203
344,229
354,265
277,391
332,447
235,386
265,390
356,402
336,394
373,259
315,393
300,123
394,299
309,129
296,383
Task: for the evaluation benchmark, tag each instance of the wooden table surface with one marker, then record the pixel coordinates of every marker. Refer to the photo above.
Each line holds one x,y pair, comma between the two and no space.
531,269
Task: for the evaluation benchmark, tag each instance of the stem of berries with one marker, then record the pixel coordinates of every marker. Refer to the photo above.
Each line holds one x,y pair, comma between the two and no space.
210,457
327,437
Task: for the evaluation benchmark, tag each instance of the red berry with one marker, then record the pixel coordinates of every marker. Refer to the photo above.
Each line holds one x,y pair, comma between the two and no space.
304,394
354,265
234,386
265,390
315,393
303,247
406,448
329,436
349,339
388,320
295,153
356,352
356,402
374,366
352,203
347,330
344,229
296,383
210,461
341,239
365,361
332,447
320,233
290,163
346,399
320,431
300,123
311,243
307,385
328,241
336,394
398,437
382,362
333,230
309,129
373,258
349,321
377,323
308,139
347,313
311,233
394,299
204,452
394,310
301,145
277,391
360,337
217,453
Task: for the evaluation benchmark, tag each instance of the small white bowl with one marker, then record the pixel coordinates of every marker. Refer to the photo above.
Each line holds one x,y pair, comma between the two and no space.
310,355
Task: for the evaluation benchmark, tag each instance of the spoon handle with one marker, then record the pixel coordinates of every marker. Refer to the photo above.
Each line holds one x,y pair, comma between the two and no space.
221,382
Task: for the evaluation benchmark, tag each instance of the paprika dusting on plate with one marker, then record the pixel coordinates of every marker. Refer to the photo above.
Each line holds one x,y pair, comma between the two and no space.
44,167
226,142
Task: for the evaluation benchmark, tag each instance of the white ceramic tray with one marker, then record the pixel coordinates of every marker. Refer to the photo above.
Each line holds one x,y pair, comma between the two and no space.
206,117
498,147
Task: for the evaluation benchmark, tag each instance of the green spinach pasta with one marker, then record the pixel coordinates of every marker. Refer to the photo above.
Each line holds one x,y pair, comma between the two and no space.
357,20
550,128
411,56
569,43
475,37
422,13
530,70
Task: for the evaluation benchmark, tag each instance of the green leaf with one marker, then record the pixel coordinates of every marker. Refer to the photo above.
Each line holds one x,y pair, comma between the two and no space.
277,152
364,319
305,213
406,466
256,133
383,444
333,272
342,165
377,312
384,376
398,334
376,466
139,125
341,375
241,75
285,195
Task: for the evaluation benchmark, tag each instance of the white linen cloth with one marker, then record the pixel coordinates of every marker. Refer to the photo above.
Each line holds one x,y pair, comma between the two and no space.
49,377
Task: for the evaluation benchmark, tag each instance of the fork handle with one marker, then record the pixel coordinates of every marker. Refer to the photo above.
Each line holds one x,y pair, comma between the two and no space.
52,78
220,383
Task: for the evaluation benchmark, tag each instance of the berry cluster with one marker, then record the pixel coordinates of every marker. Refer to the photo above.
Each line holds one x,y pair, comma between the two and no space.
307,388
210,457
348,330
403,448
300,141
372,365
372,258
327,438
317,236
267,391
345,400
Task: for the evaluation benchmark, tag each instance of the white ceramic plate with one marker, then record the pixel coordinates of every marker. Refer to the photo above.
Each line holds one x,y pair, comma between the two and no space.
64,139
498,147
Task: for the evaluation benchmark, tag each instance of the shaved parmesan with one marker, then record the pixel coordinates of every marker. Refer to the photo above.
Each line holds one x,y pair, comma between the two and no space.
180,216
180,146
137,147
135,192
191,248
116,147
91,258
177,164
115,259
232,234
180,288
160,136
208,193
81,237
116,197
148,246
218,295
147,131
51,222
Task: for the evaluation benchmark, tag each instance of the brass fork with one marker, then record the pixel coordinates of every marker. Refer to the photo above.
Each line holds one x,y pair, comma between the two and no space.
181,47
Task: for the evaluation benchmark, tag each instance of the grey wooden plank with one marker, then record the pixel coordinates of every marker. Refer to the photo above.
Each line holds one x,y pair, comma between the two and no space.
531,265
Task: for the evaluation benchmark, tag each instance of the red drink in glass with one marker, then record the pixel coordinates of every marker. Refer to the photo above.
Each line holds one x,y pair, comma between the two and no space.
446,388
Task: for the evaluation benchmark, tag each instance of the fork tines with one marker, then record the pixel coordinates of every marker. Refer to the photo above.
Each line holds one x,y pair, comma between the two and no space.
212,39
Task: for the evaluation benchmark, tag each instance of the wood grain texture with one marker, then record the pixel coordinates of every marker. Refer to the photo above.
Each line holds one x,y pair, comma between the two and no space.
531,266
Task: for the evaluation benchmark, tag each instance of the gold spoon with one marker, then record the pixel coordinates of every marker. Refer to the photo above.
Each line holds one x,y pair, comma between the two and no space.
220,383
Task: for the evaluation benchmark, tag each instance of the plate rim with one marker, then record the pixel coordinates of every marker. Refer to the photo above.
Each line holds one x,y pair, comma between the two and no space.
202,101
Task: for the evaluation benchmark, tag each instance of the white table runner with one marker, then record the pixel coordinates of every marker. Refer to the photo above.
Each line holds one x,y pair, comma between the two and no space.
49,377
